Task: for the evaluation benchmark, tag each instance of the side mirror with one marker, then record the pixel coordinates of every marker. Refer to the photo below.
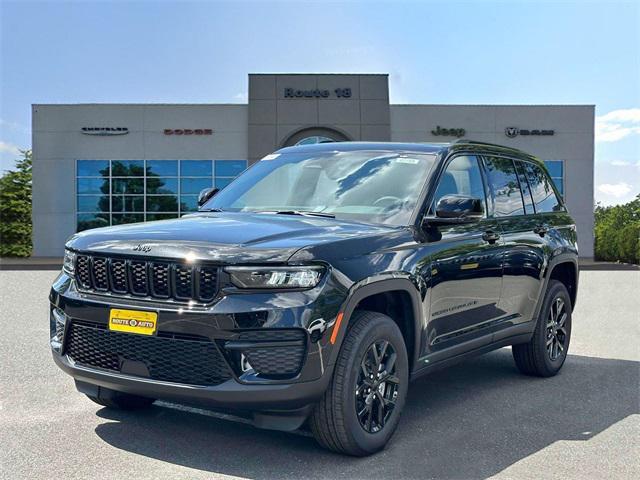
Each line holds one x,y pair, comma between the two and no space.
456,209
205,194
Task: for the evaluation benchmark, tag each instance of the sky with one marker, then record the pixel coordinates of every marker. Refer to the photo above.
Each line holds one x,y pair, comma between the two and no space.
435,52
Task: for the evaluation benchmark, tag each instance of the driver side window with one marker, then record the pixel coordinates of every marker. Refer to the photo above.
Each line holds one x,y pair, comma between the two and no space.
461,177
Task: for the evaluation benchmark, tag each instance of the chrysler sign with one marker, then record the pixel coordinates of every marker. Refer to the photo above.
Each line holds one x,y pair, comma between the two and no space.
104,131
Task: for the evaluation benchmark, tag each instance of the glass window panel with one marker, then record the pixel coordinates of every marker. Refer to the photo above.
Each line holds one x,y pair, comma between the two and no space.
189,203
195,168
87,221
162,168
194,185
506,189
554,167
558,184
127,203
229,168
543,194
92,168
152,217
222,182
122,218
127,168
92,185
461,177
127,185
93,203
158,185
162,203
526,191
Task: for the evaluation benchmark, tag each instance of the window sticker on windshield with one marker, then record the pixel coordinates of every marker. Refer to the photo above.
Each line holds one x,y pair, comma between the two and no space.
411,161
271,156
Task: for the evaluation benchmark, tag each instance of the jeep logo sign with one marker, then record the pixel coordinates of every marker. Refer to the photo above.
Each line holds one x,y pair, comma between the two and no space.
513,132
449,132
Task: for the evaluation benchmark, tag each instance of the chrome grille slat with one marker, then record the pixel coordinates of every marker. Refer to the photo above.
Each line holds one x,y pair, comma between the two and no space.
147,278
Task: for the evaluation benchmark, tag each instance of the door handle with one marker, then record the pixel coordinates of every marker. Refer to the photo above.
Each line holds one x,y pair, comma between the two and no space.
490,236
541,230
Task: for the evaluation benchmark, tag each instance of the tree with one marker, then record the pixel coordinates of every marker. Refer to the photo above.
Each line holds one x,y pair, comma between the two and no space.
617,232
15,209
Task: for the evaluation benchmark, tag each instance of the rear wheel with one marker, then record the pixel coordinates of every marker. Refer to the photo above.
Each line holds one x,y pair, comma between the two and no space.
546,352
119,400
360,410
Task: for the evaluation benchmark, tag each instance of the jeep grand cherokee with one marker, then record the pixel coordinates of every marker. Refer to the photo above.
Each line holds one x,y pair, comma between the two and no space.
319,283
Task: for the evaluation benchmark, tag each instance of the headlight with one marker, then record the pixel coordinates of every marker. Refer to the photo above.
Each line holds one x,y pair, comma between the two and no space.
69,262
275,277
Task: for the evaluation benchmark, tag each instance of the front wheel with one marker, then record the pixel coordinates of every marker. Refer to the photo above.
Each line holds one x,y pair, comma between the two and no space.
361,408
546,352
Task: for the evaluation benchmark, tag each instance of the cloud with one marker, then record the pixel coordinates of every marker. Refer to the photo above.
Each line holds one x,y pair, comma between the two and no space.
241,97
617,190
620,163
617,124
9,148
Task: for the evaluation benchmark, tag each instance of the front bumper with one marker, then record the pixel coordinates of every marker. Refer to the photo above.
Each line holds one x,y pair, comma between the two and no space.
224,324
230,395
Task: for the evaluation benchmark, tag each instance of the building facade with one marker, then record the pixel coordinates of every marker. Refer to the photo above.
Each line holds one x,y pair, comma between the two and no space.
108,164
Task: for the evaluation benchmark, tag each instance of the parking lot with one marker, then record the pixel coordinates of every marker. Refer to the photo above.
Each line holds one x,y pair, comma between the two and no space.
478,419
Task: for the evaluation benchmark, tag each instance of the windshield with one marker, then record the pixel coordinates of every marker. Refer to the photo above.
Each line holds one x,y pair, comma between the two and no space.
369,186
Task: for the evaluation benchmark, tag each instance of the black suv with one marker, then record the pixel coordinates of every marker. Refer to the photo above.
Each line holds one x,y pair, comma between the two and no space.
320,282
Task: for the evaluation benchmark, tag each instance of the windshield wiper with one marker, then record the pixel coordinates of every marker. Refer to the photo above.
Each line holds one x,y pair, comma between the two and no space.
304,213
211,210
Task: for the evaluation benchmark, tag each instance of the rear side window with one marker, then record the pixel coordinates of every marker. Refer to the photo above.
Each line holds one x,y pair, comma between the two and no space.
506,187
524,186
542,191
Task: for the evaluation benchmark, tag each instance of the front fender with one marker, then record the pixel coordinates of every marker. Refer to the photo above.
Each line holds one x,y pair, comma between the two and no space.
374,286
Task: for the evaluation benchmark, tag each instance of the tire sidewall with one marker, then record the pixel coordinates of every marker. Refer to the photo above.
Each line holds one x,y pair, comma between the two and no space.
556,289
383,328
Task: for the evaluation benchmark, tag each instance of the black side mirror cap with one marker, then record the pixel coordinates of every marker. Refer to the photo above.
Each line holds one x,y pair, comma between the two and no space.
456,210
206,194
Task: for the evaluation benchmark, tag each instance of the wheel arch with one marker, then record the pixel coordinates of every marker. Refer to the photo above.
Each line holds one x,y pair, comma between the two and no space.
562,267
399,299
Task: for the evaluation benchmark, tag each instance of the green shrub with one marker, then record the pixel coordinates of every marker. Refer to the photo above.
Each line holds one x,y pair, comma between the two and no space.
617,232
15,209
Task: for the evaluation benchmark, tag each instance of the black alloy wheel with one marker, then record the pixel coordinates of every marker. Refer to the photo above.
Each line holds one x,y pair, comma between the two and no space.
377,386
556,331
361,407
544,354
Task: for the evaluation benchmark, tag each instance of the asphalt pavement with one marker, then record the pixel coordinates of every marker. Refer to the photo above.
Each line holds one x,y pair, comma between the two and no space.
479,419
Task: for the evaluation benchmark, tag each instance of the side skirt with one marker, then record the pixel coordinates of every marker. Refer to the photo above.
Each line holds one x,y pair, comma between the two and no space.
518,336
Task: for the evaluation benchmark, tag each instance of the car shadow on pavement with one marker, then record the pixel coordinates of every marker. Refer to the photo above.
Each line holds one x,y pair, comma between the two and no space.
469,421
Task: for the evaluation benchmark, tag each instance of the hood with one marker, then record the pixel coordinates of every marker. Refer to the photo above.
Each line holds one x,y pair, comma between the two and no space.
225,237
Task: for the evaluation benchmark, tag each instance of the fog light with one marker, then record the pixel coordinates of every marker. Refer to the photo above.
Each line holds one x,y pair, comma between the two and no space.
58,323
245,366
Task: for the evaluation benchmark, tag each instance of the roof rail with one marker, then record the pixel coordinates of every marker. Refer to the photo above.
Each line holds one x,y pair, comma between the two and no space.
476,142
494,145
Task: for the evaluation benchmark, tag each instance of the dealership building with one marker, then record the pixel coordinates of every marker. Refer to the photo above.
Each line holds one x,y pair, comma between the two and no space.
107,164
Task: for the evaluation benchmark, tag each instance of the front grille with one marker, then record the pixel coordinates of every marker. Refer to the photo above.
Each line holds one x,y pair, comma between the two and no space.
167,358
143,278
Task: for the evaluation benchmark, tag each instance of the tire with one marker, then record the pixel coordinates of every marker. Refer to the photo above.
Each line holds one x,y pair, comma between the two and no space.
121,401
334,422
545,353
